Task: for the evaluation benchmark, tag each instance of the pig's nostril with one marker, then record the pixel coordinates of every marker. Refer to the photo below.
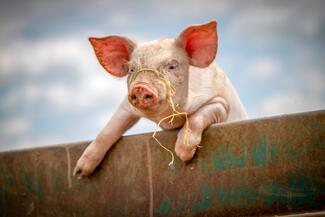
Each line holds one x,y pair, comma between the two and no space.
141,96
148,96
133,97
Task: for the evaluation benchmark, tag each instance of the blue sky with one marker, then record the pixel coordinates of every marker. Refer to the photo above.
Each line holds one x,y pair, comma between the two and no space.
53,90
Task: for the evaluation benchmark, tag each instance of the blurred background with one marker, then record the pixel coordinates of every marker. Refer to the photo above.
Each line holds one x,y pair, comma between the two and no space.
53,90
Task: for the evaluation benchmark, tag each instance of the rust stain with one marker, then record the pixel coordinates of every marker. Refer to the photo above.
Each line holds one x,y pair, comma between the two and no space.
150,179
68,166
257,167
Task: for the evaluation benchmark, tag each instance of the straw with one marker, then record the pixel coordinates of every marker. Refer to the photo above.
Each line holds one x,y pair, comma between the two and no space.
171,93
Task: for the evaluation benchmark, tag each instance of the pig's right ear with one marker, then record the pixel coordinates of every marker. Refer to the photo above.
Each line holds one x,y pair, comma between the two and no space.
113,53
200,43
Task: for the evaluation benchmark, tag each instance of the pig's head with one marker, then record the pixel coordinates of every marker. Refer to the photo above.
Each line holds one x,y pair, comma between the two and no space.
156,68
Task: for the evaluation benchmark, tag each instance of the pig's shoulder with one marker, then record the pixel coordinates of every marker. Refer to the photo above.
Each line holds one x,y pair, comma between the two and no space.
204,85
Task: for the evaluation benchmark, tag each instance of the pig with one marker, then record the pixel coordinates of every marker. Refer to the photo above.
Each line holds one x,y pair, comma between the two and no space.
186,64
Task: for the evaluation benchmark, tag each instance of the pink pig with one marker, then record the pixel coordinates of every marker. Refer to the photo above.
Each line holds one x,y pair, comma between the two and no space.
202,90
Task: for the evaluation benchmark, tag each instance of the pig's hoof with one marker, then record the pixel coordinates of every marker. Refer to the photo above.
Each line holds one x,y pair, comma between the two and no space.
84,167
77,172
187,155
81,172
187,144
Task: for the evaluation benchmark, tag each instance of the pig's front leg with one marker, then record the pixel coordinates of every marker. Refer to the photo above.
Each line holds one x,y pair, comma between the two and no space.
122,120
215,111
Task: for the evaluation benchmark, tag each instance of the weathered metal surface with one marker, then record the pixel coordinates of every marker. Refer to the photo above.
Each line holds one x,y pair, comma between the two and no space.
255,167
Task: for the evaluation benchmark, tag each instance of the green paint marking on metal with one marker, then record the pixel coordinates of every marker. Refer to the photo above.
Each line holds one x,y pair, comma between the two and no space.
54,183
165,206
246,197
6,175
218,164
205,203
259,152
225,158
296,193
205,166
26,182
320,187
3,201
314,125
59,183
239,197
180,206
304,188
273,192
234,161
221,197
273,151
38,188
289,151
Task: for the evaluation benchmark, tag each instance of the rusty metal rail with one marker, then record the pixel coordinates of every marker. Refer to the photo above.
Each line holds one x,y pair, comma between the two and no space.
256,167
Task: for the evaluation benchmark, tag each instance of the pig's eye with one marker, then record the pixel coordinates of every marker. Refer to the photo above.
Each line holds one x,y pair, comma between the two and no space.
131,70
172,66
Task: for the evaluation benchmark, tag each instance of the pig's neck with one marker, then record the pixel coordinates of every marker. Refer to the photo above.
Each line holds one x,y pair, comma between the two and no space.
178,120
181,92
180,98
163,111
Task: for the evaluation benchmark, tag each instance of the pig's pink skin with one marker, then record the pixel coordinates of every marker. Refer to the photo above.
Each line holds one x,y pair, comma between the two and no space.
206,94
211,99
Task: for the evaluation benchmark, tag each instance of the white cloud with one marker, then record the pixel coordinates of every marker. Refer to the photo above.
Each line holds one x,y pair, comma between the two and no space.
258,19
313,82
288,102
310,24
262,20
21,95
87,94
34,59
305,93
190,8
120,18
14,127
263,68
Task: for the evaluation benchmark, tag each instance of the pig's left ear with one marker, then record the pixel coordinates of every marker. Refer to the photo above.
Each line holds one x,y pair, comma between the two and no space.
200,43
113,53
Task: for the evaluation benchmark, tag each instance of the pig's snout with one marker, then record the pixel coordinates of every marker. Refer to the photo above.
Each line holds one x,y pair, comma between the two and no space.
142,96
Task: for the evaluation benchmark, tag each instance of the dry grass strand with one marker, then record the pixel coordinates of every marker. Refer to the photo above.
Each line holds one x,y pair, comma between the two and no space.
175,113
